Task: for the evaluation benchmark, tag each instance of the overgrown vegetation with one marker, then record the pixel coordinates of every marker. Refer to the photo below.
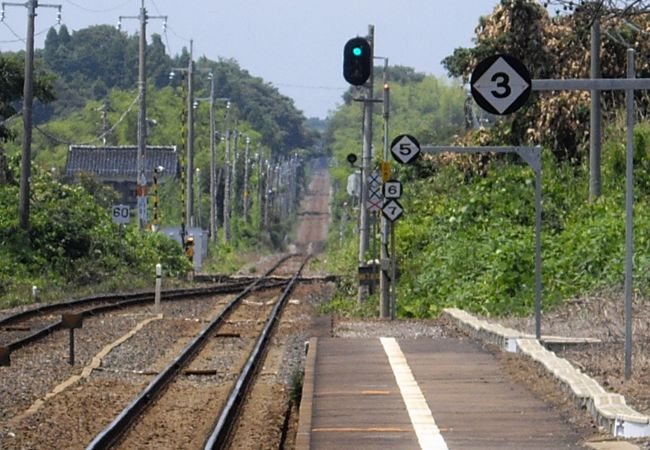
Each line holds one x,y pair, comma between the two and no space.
72,245
467,236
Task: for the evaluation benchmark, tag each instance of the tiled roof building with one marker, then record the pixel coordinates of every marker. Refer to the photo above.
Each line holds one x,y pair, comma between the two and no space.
117,166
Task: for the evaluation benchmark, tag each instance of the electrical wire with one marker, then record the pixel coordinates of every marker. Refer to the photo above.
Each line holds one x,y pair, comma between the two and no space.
169,47
177,35
20,38
96,139
98,10
9,119
302,86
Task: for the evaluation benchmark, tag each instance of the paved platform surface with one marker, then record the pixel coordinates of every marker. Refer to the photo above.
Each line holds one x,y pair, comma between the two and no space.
419,393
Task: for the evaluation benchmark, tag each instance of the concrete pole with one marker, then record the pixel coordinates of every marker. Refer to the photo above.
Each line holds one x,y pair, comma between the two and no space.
28,100
213,166
198,197
141,180
595,118
233,176
267,179
158,288
384,280
260,189
189,175
226,183
246,193
364,222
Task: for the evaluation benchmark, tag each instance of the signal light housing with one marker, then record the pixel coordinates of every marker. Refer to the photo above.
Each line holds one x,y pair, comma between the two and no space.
357,61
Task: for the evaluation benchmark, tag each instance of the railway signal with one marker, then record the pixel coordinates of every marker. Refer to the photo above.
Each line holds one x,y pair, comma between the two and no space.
357,61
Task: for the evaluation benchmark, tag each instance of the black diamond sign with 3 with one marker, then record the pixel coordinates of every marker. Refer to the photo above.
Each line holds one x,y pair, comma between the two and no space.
500,84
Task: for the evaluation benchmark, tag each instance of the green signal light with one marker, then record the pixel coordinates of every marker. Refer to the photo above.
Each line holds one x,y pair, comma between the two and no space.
356,51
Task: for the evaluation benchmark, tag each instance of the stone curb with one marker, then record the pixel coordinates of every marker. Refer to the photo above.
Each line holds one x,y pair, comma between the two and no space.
608,410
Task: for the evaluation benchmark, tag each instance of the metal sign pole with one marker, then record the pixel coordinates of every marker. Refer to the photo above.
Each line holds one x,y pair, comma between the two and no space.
629,213
538,253
501,84
629,85
393,275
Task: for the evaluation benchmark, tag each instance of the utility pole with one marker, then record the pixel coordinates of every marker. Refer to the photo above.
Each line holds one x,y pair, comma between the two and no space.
213,155
258,159
198,197
213,164
384,279
104,111
246,193
233,175
189,151
226,184
141,180
595,117
364,223
28,101
189,212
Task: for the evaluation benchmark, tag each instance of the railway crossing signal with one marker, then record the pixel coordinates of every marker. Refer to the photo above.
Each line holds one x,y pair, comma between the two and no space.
357,61
500,84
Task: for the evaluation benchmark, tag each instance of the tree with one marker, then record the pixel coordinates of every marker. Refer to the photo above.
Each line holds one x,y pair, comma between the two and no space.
551,48
12,79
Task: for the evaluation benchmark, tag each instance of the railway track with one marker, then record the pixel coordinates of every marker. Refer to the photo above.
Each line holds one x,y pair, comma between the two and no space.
139,424
29,326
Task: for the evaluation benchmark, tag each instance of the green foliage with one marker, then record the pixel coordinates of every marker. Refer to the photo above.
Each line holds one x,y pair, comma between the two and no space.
72,241
467,238
471,242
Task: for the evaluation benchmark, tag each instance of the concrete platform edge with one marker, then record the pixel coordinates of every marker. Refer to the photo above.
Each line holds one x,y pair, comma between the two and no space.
608,410
303,436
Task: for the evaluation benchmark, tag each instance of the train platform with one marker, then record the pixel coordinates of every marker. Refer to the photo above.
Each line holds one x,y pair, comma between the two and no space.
428,393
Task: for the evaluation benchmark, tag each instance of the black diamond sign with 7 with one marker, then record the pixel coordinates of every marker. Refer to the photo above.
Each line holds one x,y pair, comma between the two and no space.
392,210
500,84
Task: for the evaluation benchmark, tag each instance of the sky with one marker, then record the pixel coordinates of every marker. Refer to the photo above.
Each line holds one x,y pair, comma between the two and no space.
296,45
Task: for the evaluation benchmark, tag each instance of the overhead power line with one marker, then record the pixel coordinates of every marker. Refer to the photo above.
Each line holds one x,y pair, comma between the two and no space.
114,8
59,140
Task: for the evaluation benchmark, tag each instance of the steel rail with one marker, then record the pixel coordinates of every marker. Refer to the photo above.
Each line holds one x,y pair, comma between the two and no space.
117,428
118,302
219,436
50,307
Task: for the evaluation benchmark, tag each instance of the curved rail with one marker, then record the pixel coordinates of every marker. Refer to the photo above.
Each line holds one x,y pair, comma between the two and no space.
117,302
219,436
107,298
116,429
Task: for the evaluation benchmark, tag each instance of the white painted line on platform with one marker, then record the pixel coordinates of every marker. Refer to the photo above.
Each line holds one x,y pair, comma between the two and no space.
425,427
